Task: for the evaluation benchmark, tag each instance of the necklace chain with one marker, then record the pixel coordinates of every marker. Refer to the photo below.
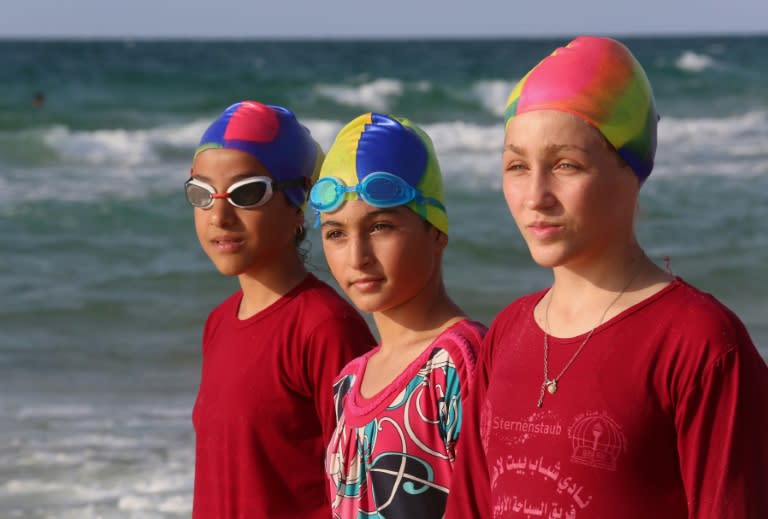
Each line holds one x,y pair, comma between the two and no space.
550,384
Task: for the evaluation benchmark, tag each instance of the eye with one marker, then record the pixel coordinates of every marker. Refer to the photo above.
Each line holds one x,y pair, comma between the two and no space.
381,226
333,234
567,167
514,167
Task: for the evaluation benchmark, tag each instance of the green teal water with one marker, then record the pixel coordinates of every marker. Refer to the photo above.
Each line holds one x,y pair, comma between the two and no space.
104,288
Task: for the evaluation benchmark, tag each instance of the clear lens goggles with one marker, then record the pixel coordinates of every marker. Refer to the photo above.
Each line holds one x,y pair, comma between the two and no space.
378,189
245,194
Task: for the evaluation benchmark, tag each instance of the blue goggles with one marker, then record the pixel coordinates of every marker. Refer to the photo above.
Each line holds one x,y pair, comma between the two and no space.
379,189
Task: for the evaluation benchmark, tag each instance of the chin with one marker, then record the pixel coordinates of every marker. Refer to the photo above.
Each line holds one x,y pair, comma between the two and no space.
227,269
547,259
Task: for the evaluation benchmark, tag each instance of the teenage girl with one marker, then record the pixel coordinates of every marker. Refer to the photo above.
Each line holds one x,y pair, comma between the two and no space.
384,228
264,410
621,390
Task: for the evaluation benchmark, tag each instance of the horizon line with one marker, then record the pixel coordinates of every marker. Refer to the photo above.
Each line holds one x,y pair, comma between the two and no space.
369,37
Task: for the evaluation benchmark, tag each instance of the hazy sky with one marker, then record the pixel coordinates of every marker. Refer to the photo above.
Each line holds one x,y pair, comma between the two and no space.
377,18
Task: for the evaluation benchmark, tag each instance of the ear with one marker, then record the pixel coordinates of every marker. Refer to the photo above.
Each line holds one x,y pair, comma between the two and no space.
441,240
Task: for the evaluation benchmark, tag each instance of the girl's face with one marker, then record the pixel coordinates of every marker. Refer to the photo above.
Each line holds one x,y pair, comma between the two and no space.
571,197
243,241
381,258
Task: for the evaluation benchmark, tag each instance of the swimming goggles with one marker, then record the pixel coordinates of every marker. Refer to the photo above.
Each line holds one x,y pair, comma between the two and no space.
379,189
245,194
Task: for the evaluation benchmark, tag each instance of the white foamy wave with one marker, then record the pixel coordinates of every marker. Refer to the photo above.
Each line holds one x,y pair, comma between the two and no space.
493,94
32,486
728,146
693,62
323,130
711,130
461,136
120,146
376,95
469,154
54,411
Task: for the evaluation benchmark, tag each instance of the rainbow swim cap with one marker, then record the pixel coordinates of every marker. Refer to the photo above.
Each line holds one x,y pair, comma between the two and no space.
273,135
376,143
601,82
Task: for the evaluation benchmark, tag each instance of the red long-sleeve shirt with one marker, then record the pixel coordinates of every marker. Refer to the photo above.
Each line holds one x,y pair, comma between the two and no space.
264,410
663,415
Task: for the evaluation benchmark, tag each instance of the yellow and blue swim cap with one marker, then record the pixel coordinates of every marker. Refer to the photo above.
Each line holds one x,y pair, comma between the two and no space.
272,135
385,161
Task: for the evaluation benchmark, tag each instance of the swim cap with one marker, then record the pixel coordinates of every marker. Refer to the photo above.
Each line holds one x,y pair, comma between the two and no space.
601,82
271,134
374,143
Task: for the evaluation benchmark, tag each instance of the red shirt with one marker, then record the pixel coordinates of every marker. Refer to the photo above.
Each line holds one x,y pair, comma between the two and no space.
663,415
264,409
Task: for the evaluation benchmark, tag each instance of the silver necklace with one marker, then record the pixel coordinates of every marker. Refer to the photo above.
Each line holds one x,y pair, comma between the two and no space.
550,384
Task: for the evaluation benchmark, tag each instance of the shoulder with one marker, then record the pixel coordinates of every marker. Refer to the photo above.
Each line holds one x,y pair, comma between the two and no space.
223,308
690,335
223,312
319,308
461,342
692,315
455,351
514,313
322,301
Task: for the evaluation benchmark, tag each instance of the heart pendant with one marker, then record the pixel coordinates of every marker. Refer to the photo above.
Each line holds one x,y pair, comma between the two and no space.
552,387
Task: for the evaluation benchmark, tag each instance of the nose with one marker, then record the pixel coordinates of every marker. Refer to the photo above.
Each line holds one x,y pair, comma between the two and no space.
359,251
222,213
539,190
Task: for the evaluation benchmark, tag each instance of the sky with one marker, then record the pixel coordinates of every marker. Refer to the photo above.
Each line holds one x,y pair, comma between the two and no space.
376,18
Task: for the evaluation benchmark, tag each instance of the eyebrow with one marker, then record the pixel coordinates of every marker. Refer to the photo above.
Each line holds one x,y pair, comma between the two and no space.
549,148
384,211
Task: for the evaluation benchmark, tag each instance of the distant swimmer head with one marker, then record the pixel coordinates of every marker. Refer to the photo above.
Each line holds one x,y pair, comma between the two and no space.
600,81
385,161
272,135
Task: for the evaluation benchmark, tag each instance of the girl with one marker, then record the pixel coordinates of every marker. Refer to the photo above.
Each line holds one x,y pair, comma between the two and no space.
264,410
635,395
399,407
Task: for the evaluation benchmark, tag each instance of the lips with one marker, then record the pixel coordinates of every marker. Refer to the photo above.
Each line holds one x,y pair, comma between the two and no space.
366,284
227,243
544,230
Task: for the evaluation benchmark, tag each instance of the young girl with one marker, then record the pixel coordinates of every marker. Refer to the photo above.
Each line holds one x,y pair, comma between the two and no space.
399,407
264,410
621,391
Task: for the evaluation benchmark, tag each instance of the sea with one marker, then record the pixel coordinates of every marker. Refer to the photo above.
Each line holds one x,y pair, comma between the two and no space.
104,289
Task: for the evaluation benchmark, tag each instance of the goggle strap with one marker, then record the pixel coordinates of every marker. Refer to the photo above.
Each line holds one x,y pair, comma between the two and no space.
295,182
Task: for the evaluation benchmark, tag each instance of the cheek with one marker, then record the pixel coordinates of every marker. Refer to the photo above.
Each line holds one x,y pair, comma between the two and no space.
512,195
334,257
200,219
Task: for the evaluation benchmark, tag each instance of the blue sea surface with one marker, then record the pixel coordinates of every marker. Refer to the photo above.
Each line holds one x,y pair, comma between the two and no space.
105,289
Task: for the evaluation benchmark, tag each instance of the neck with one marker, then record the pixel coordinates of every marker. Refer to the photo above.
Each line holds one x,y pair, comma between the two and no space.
584,296
418,321
264,285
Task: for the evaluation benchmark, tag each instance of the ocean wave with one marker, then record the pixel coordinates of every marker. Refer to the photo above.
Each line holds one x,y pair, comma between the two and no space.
691,61
712,130
131,164
493,94
375,95
121,146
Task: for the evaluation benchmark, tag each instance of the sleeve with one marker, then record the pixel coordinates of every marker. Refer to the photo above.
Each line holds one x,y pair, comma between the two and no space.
335,342
469,496
454,385
722,425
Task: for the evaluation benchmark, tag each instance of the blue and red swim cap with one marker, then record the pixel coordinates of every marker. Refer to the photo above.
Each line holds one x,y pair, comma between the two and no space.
272,135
